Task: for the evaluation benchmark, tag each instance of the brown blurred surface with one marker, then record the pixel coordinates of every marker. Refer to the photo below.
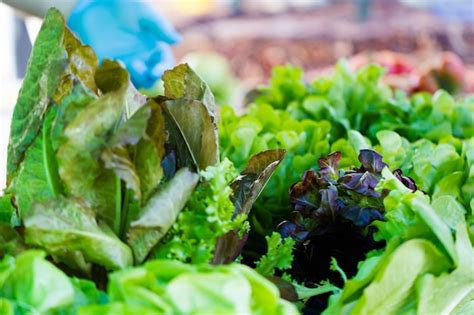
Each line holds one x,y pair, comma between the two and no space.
319,37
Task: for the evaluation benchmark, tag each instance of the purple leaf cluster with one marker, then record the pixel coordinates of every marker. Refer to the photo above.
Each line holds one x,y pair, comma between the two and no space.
332,213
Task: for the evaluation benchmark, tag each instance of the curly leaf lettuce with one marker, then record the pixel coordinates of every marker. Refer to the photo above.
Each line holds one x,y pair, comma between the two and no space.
208,214
278,256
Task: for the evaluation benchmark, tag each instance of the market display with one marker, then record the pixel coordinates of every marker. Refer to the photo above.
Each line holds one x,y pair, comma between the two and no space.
339,196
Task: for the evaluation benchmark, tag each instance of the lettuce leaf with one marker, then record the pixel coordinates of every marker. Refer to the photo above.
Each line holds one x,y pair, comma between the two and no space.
246,189
389,289
35,282
33,285
447,291
58,63
279,255
37,179
166,286
160,213
70,233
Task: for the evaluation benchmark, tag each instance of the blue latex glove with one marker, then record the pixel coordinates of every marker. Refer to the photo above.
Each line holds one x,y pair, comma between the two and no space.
129,31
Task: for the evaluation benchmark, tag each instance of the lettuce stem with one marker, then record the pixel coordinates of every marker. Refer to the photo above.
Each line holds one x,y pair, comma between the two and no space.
118,205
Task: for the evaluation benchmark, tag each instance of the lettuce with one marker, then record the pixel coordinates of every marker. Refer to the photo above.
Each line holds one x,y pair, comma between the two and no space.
421,243
171,287
344,112
98,174
264,128
278,256
29,284
428,137
207,215
101,178
333,209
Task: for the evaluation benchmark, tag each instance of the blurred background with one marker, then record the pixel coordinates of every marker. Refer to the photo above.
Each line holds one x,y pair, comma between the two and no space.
233,44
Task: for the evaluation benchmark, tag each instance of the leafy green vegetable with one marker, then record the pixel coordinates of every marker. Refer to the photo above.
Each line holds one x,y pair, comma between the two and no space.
447,291
410,215
37,179
101,164
449,210
70,233
254,178
11,242
198,130
208,214
101,178
183,83
48,61
85,138
346,112
279,255
246,189
36,282
424,257
32,285
150,151
159,214
8,213
166,286
263,128
421,245
332,211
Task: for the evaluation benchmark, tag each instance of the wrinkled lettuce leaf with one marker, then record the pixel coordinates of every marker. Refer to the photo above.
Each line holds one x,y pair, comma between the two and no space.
198,130
56,54
190,117
160,213
149,152
85,138
183,83
37,179
69,231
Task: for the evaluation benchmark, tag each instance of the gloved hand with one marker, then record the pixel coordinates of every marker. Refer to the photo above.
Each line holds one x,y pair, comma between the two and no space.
129,31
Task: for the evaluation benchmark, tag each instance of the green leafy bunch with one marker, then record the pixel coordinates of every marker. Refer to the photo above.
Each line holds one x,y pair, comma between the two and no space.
207,215
101,178
30,284
346,112
427,265
98,173
429,137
